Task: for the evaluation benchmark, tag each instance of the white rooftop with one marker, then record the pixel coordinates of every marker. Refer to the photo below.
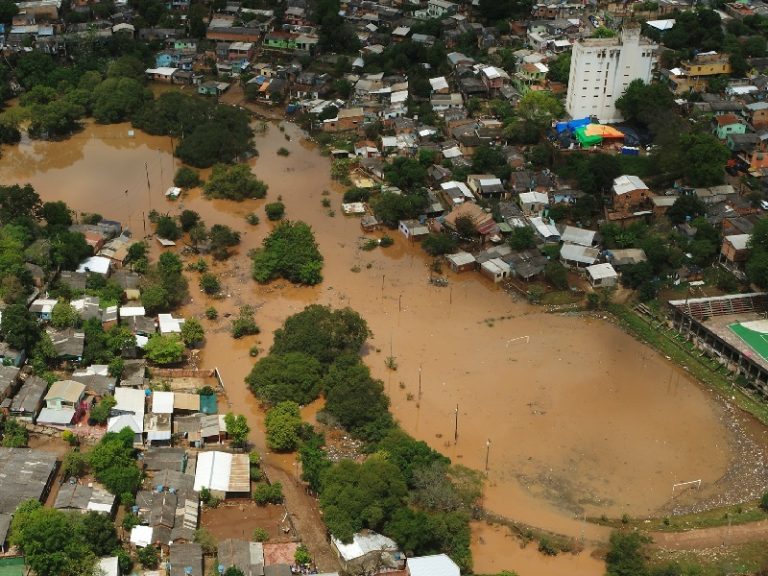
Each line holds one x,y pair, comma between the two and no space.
162,402
460,185
141,536
437,565
739,241
439,83
599,271
534,198
627,183
169,324
97,264
362,544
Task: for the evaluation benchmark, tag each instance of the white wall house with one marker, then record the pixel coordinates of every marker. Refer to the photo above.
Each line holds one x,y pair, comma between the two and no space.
602,68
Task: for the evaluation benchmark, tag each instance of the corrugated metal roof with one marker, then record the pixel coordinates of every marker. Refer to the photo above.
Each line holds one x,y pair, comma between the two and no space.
437,565
66,390
363,543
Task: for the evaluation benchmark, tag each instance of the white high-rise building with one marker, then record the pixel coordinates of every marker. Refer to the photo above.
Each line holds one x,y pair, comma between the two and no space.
602,68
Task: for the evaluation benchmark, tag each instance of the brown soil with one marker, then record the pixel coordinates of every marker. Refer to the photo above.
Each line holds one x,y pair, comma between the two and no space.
239,518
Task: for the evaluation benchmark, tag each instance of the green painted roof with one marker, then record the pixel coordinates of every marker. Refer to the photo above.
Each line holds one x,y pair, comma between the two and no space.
12,566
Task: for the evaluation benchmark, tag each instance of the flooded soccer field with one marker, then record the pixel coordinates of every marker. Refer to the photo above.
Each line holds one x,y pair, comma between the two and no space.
569,415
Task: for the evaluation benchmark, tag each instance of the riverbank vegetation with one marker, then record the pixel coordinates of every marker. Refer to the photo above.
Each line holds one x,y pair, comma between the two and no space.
403,488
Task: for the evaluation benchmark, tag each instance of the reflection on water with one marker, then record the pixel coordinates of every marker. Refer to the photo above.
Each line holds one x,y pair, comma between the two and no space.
580,416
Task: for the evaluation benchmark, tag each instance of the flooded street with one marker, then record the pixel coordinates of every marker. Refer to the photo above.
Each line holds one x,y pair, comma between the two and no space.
581,418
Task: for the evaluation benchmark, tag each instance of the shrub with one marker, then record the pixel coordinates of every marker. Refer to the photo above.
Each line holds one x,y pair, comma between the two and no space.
260,535
209,283
244,324
186,177
149,557
211,313
252,219
268,493
546,547
764,502
275,210
386,241
282,151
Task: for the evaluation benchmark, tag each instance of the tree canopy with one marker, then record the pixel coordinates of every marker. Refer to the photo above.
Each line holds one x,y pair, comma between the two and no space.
357,496
322,333
234,183
291,376
289,252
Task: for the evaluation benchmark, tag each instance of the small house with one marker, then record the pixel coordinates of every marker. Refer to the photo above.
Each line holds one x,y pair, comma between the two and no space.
9,381
496,269
95,265
735,248
727,124
626,257
368,553
62,403
168,324
602,275
629,193
68,343
42,308
224,474
29,399
247,556
369,223
186,560
461,261
128,412
576,235
533,202
413,229
577,255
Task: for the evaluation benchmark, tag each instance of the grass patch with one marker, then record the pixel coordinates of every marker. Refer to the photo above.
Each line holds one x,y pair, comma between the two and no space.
740,559
707,370
736,514
561,297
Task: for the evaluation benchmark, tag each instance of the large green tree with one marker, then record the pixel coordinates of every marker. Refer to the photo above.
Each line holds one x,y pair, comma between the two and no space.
357,496
322,333
282,423
291,376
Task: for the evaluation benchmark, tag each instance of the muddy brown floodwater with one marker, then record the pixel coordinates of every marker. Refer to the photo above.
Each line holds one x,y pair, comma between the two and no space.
573,416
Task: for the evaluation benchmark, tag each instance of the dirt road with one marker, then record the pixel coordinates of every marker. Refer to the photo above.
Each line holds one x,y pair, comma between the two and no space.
712,537
306,519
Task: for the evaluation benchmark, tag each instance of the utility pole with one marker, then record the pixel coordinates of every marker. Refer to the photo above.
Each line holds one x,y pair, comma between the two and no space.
419,382
149,193
456,425
487,452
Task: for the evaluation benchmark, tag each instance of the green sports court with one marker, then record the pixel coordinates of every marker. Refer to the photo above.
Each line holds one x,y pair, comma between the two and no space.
754,334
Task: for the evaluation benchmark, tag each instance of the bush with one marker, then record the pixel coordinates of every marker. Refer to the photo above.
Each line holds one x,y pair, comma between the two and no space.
209,283
268,493
275,211
386,241
99,414
244,325
764,502
186,177
260,535
211,313
439,244
252,219
282,151
149,557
